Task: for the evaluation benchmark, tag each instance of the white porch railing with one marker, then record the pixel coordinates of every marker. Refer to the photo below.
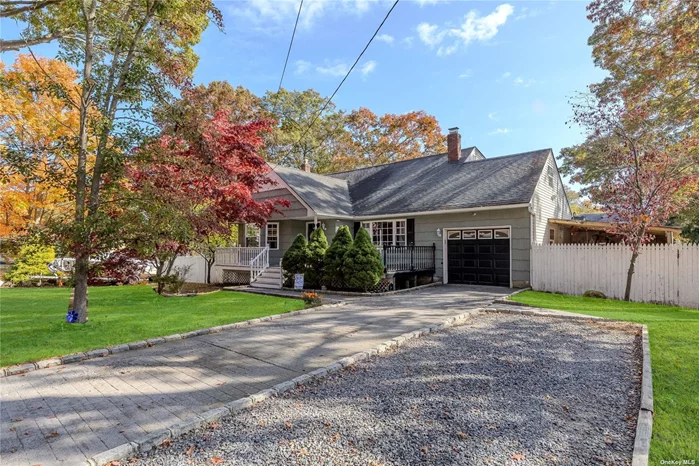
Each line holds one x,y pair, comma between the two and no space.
259,264
237,256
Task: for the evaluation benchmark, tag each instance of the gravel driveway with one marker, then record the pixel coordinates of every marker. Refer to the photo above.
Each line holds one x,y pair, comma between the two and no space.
500,389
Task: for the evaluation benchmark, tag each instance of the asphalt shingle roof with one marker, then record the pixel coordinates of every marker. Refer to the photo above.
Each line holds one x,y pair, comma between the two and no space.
422,184
324,194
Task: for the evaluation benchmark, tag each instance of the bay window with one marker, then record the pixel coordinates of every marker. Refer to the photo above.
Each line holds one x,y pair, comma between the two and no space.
387,232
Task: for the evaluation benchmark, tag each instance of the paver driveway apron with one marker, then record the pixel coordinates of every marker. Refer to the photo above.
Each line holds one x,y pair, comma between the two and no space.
66,414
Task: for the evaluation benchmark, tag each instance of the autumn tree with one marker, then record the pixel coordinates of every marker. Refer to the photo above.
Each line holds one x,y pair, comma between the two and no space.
389,138
200,187
306,129
34,120
643,172
579,204
651,51
131,54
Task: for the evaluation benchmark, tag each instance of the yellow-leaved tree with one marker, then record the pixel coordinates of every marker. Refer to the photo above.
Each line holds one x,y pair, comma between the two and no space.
35,119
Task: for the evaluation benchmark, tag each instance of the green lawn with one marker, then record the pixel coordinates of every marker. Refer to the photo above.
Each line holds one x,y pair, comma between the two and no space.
33,327
674,347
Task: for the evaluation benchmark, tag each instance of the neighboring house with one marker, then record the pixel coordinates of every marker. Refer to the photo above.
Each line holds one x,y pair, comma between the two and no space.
458,216
594,229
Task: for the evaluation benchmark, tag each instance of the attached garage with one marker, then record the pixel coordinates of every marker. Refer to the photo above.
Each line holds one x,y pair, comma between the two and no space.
478,256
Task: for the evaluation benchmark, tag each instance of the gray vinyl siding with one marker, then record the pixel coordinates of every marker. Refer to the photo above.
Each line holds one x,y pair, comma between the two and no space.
518,219
289,229
295,210
548,202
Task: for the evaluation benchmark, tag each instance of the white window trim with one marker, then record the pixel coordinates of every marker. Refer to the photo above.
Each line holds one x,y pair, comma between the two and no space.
259,235
267,235
392,220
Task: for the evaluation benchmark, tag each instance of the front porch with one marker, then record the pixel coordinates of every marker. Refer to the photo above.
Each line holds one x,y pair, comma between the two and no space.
250,265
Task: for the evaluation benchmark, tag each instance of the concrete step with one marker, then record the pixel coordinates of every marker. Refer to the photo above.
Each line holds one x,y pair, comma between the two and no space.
270,275
265,285
268,280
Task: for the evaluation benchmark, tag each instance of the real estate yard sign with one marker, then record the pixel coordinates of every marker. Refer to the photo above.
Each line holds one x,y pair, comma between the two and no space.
298,281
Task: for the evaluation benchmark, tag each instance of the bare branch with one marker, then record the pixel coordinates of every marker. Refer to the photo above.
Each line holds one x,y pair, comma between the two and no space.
28,6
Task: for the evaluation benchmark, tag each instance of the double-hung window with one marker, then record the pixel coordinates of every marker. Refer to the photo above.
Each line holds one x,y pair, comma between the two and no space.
252,236
273,235
387,232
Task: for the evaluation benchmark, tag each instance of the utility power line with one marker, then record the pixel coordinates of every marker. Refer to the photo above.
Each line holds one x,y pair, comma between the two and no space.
349,71
327,102
291,43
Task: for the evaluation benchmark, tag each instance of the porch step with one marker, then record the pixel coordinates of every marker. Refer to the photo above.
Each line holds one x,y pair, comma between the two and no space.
267,280
270,278
257,284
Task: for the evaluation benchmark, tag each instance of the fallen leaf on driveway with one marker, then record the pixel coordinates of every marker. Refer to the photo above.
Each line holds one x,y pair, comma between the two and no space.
52,435
288,425
517,457
189,451
462,435
166,443
216,460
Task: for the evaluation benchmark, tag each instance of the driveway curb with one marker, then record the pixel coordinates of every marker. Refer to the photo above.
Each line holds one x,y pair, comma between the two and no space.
156,439
644,422
102,352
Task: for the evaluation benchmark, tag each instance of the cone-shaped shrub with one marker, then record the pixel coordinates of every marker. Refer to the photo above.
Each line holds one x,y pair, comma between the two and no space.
316,258
363,267
335,257
295,258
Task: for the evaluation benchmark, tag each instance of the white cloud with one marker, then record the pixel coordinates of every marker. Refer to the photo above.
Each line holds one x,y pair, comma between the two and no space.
429,35
519,81
526,12
336,68
302,66
429,2
500,131
281,13
385,38
492,116
367,68
466,74
473,28
339,69
408,41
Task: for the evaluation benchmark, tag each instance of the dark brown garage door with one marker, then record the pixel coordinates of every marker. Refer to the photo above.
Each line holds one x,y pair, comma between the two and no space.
479,256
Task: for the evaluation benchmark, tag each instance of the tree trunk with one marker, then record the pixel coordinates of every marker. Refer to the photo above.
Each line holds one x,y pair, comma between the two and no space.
209,264
632,266
80,282
82,257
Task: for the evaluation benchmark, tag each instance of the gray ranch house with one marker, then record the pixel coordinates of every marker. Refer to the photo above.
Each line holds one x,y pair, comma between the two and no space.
458,216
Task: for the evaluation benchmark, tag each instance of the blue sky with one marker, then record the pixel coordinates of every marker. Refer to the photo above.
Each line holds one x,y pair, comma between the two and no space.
500,71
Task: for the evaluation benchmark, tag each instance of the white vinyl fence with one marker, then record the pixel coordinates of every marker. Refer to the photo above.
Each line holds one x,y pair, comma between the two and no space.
197,272
664,273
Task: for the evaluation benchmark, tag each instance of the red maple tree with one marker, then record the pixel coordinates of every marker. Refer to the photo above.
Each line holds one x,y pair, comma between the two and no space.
199,187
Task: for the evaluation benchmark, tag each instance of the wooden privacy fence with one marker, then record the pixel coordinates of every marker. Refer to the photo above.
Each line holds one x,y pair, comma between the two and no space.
665,273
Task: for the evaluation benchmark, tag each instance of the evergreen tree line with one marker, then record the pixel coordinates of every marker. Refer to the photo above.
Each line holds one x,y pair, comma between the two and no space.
346,264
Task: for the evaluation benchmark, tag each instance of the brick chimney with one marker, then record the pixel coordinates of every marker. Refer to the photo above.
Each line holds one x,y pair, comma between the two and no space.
453,145
306,165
